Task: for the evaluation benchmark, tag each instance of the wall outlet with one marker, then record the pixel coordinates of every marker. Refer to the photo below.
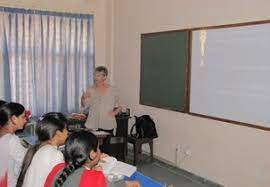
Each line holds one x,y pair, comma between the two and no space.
181,152
188,152
184,149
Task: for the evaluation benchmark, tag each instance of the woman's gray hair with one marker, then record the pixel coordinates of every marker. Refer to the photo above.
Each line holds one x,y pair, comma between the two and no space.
102,69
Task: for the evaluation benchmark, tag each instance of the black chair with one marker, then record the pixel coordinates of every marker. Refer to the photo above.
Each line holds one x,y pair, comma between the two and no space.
115,146
137,147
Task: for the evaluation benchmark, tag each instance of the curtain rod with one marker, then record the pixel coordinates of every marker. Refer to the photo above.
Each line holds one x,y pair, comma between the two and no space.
43,12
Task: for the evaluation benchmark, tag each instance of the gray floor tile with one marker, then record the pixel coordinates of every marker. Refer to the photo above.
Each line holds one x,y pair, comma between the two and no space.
170,175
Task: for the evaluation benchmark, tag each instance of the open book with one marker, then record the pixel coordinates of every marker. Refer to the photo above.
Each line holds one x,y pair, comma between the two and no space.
112,166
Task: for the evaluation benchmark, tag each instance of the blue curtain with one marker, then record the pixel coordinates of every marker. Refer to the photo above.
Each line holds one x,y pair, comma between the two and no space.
46,59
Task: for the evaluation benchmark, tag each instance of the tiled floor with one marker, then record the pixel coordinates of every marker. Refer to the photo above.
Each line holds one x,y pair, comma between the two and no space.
170,175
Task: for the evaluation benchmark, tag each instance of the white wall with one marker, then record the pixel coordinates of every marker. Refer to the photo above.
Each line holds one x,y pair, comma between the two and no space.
231,155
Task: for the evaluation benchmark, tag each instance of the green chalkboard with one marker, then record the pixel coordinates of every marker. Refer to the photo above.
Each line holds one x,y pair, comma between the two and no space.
164,67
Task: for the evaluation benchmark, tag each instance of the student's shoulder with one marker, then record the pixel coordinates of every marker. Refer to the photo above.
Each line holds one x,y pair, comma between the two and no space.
49,155
13,142
50,150
12,139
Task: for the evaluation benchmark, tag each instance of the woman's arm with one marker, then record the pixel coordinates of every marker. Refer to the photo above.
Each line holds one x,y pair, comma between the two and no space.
85,101
117,104
85,97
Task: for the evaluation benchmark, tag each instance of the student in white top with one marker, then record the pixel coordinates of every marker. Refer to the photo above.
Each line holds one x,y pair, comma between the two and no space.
12,118
40,159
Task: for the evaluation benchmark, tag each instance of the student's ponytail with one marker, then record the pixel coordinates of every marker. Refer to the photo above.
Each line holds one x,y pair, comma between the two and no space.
26,163
64,175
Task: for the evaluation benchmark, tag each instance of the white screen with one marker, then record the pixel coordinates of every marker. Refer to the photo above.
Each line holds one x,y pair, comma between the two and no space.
230,74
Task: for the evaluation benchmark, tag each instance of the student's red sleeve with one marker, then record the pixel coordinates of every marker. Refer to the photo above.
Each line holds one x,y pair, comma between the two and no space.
3,180
53,173
92,178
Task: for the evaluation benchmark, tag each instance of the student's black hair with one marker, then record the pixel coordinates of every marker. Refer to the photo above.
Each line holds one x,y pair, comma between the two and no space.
8,110
2,102
77,150
102,69
47,126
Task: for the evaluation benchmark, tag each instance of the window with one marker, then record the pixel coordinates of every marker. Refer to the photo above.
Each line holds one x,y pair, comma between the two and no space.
46,59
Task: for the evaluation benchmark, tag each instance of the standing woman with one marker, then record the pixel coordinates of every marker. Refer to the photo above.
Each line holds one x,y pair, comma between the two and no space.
12,118
103,102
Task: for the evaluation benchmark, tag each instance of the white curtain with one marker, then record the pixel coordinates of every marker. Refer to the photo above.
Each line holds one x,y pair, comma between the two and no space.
46,59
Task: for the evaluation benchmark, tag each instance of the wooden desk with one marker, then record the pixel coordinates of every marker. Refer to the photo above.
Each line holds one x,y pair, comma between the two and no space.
75,124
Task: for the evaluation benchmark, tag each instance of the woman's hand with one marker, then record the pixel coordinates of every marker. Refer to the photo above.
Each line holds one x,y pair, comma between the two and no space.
115,111
111,113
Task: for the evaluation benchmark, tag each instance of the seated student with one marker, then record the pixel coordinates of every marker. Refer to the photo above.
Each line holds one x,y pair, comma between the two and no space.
40,159
81,156
12,118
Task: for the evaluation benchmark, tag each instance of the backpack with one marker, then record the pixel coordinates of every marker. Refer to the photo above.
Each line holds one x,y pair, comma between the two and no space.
145,127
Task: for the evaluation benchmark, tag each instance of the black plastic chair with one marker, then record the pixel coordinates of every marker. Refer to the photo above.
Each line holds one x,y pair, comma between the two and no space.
137,147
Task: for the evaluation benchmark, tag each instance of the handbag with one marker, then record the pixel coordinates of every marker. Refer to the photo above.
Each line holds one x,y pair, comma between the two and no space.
145,127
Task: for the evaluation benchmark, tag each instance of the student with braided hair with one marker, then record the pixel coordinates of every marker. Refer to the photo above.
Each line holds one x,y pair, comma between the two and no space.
81,156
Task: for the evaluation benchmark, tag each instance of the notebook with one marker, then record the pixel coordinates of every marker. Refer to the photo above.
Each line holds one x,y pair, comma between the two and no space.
111,165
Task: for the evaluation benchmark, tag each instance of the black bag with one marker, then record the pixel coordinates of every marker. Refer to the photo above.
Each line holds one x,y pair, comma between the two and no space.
145,127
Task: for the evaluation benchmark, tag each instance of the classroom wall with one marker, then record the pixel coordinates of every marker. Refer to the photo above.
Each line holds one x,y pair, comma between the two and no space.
101,9
232,155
